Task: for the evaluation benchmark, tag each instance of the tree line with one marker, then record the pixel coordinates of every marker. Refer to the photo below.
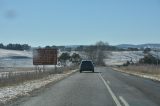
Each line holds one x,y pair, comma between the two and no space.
15,46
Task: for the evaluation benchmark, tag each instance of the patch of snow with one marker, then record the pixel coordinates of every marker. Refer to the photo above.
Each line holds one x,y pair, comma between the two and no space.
121,57
10,53
10,92
155,54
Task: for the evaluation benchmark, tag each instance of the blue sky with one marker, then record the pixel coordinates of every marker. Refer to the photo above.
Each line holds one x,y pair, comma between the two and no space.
74,22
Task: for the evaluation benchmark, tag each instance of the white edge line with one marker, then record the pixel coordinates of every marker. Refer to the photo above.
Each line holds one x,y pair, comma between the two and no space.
110,91
123,101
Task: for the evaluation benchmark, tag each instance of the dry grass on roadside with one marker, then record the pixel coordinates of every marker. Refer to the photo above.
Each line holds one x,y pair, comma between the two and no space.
15,77
143,68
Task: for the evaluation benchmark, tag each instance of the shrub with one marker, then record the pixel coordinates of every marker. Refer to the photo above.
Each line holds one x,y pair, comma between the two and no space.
149,59
126,64
64,57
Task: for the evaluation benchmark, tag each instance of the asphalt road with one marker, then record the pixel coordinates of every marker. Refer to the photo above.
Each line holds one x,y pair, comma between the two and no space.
105,87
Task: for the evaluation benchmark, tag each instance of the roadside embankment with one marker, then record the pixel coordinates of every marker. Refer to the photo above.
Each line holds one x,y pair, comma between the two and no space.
8,93
146,71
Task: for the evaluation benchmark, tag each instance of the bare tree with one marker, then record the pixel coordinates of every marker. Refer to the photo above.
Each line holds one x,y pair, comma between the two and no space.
97,52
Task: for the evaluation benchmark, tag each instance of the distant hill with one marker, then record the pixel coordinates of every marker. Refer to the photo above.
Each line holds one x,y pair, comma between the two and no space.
72,46
124,46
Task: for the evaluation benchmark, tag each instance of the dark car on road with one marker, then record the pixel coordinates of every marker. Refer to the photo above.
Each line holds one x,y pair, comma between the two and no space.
86,65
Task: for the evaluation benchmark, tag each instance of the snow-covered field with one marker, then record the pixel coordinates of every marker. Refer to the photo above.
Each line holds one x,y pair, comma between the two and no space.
117,58
9,58
10,53
121,57
11,92
15,58
155,54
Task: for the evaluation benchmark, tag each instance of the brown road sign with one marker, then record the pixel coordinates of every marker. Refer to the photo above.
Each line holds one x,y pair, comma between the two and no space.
45,57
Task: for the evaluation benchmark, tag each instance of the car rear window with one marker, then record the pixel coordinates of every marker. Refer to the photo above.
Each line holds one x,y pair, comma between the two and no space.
86,63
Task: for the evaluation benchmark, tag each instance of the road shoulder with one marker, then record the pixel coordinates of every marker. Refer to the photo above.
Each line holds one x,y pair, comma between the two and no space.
143,75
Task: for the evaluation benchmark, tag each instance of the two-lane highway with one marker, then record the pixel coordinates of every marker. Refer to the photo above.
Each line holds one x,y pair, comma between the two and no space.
105,87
